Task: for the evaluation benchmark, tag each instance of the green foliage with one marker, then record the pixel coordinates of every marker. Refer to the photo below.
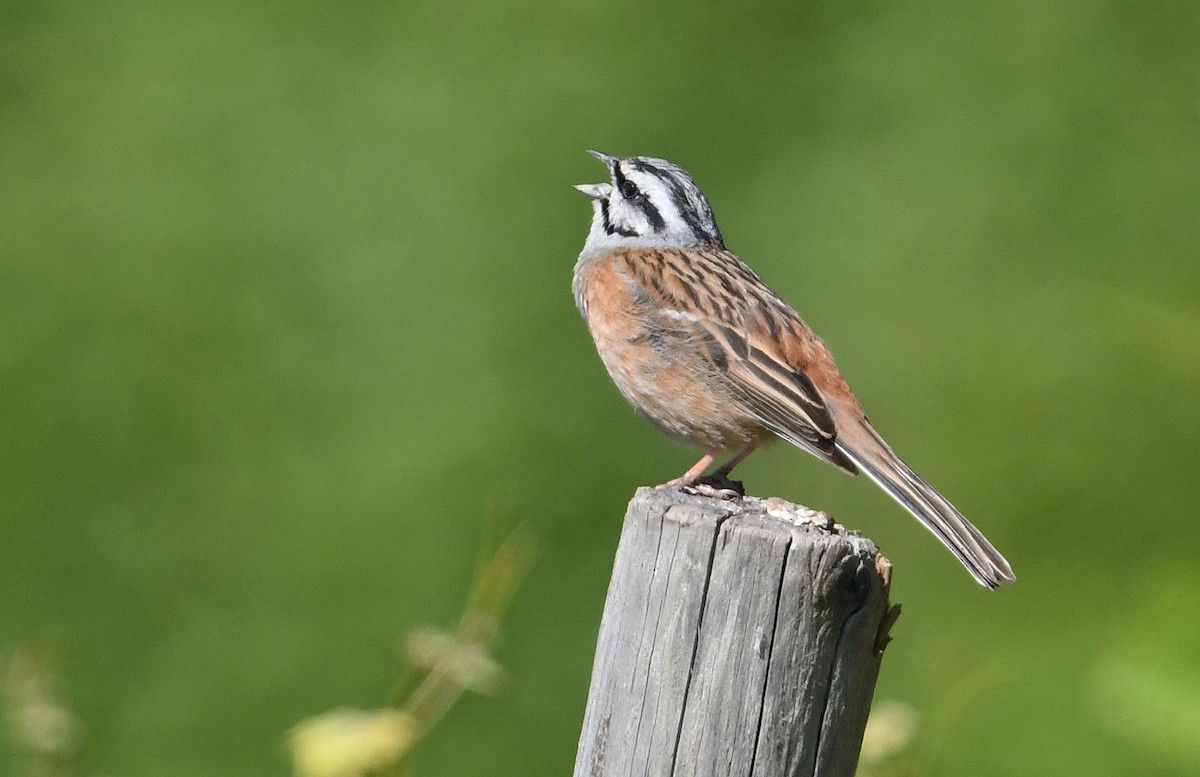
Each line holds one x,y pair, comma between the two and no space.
287,315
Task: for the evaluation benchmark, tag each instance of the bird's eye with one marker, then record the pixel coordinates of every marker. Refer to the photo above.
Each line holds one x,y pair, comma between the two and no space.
628,189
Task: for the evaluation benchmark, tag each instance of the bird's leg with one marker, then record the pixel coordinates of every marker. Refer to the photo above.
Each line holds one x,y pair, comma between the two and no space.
690,477
719,482
722,472
717,485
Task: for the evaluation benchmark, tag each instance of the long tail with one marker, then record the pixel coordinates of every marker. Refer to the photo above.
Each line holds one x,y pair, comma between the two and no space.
877,460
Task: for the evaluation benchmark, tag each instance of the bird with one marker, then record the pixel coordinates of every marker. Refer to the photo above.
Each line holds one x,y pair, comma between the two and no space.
708,353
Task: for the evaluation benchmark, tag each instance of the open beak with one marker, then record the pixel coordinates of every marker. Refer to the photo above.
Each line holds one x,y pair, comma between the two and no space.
597,191
607,159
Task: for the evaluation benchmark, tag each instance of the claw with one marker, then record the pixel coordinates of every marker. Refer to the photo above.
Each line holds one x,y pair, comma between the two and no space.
713,492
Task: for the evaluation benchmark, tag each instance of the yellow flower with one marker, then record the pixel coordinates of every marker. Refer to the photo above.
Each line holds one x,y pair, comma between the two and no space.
892,725
348,742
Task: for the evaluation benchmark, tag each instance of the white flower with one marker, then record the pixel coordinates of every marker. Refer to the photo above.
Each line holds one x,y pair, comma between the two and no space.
467,664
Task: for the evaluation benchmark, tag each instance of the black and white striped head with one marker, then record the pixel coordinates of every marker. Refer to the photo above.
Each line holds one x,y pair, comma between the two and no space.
649,203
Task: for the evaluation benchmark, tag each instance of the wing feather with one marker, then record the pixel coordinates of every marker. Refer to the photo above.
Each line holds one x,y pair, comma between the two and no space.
725,302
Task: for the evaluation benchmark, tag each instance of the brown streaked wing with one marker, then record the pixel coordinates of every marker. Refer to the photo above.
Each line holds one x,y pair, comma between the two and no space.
727,302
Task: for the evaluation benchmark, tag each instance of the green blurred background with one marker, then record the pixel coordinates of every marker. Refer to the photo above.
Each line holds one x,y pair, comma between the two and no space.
287,331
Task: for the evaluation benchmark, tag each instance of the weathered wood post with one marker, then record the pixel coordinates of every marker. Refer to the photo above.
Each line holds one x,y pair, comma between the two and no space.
740,638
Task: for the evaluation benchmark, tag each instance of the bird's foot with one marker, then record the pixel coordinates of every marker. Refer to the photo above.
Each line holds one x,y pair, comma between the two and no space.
712,492
720,486
713,486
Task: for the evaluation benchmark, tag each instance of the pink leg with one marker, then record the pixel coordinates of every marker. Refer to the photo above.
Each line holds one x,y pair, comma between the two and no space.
723,471
690,477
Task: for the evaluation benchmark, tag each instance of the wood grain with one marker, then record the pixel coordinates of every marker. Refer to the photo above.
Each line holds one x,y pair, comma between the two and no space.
738,638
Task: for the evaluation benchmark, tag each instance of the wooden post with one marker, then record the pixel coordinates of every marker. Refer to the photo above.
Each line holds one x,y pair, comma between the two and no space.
740,638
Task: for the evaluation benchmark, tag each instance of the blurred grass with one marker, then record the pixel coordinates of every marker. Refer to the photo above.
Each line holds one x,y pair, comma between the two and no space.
286,314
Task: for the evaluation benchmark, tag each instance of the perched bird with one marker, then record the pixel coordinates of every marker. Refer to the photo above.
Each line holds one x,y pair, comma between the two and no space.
706,351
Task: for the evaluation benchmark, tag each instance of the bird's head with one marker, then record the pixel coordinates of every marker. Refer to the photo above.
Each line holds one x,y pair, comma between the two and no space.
648,203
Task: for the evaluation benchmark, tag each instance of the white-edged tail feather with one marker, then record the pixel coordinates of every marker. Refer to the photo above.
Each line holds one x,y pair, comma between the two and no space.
878,462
